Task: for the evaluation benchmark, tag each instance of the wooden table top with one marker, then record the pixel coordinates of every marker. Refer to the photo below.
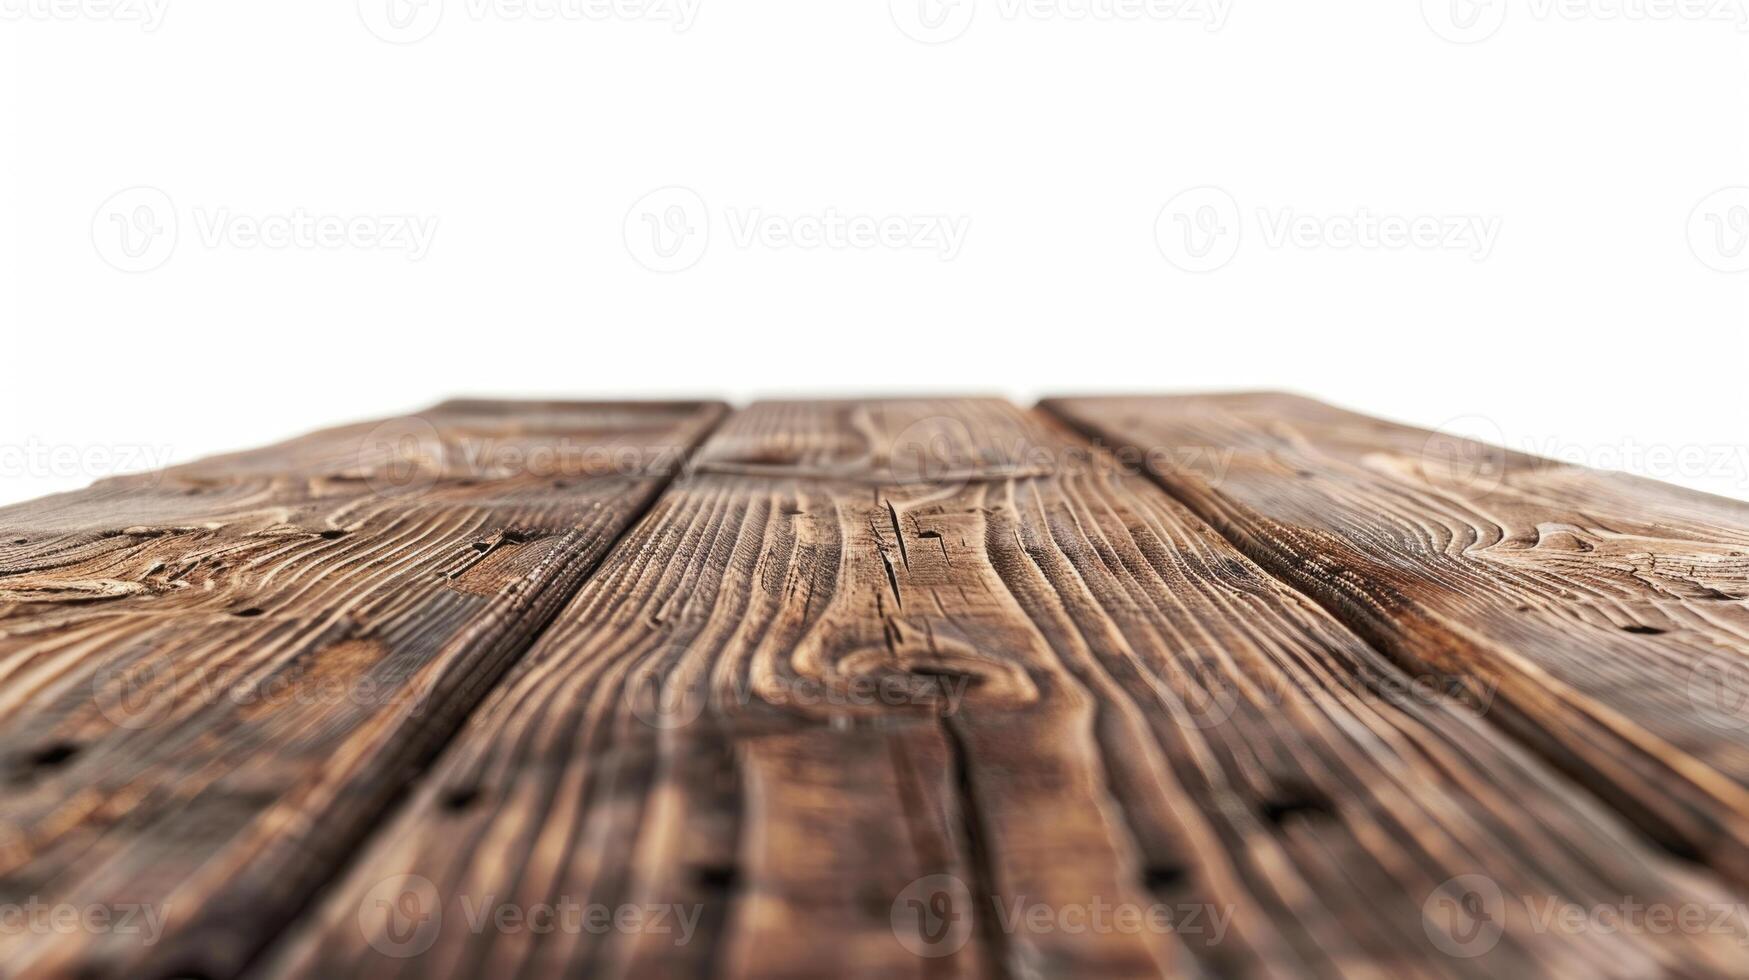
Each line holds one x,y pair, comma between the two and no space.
1216,685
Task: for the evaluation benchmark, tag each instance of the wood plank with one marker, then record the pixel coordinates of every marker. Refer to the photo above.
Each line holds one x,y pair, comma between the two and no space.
214,679
1605,614
851,716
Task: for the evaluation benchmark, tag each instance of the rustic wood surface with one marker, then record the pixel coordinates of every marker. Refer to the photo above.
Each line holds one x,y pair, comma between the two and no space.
213,680
1223,686
1603,612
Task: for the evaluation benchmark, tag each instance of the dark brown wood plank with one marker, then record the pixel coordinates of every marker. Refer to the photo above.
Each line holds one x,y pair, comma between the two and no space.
877,659
214,679
1604,615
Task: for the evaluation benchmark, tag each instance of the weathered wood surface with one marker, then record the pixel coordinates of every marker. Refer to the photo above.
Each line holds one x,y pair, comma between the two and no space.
915,688
1606,614
214,680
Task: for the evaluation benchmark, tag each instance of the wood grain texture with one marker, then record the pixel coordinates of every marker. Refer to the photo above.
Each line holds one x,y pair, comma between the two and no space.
214,679
926,688
1605,613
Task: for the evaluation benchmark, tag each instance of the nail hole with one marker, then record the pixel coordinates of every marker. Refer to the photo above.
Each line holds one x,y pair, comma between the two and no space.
1160,877
1642,630
249,613
1680,849
50,756
20,540
461,798
1301,805
717,877
945,681
332,535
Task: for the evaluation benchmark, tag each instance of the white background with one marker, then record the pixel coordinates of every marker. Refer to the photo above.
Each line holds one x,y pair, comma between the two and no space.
1596,327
